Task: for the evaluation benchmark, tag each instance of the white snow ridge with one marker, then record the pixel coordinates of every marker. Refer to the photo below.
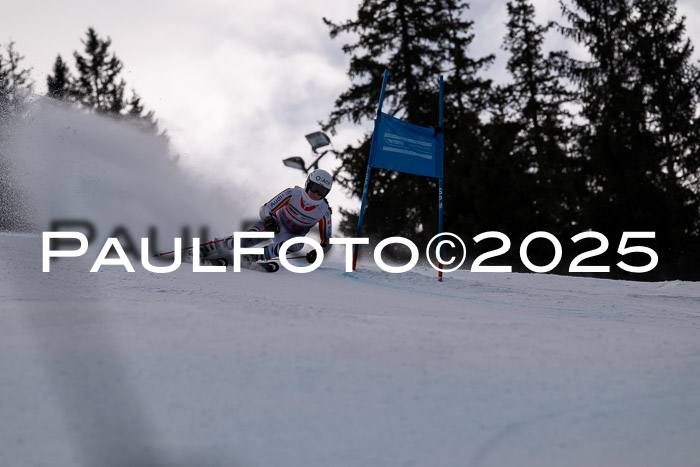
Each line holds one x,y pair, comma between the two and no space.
330,368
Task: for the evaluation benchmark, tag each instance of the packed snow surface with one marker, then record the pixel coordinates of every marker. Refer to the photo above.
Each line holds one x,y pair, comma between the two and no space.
341,369
324,369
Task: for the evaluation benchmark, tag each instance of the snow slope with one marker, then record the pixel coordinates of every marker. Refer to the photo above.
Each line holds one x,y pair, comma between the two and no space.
324,369
331,368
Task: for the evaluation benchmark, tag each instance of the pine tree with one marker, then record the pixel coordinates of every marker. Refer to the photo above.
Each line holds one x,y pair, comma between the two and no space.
410,38
608,142
98,85
469,202
145,120
59,84
670,81
15,86
550,179
5,88
465,91
671,97
640,159
15,82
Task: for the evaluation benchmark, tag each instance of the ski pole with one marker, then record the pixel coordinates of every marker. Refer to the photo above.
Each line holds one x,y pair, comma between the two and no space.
190,247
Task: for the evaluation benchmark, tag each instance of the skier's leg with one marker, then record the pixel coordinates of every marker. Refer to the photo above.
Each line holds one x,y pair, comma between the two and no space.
273,250
250,242
227,243
223,249
210,252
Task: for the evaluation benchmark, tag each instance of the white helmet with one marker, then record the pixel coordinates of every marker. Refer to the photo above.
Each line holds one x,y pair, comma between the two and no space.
320,182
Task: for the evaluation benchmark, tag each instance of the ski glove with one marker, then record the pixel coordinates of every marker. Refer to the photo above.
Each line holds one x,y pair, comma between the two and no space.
271,225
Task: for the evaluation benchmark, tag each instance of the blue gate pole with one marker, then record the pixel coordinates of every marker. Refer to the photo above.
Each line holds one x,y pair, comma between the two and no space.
440,229
440,190
355,248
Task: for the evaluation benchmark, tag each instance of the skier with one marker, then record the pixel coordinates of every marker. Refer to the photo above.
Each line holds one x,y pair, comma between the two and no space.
292,213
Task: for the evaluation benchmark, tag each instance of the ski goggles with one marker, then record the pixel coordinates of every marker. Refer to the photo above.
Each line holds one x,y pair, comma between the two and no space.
320,190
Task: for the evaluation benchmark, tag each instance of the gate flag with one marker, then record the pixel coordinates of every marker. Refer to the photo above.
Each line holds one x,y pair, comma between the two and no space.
405,147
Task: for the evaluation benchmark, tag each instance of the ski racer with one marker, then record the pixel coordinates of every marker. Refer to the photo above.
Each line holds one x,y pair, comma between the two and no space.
292,213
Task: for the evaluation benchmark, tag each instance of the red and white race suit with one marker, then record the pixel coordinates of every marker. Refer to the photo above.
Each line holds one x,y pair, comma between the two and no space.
296,213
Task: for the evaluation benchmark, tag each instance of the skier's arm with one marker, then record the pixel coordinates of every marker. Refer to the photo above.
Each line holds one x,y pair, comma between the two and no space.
275,204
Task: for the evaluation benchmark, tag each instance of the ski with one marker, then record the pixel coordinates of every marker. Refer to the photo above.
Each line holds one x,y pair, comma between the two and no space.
190,247
272,264
264,265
